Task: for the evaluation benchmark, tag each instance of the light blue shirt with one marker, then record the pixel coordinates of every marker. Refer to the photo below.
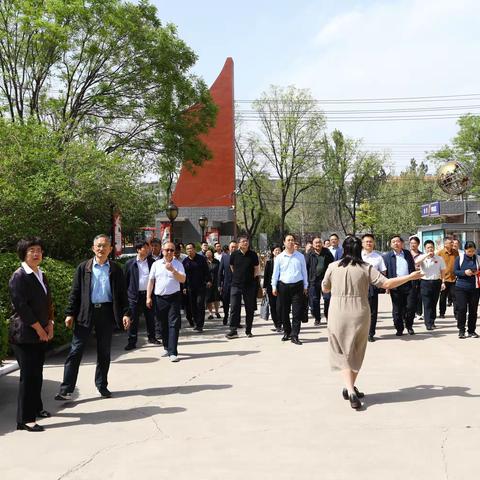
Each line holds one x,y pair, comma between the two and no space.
100,291
289,269
402,264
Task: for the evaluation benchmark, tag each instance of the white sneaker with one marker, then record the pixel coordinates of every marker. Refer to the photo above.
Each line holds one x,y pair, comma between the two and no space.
173,358
164,354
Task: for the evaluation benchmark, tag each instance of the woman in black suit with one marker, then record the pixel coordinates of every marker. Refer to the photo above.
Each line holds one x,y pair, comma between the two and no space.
31,327
267,288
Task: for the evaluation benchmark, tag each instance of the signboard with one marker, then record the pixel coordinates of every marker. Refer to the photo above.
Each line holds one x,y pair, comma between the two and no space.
117,234
430,209
165,232
212,236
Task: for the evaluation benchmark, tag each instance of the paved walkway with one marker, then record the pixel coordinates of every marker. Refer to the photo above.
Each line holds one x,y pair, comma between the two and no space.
258,408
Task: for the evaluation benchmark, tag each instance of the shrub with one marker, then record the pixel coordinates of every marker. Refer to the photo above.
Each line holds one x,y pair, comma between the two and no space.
60,276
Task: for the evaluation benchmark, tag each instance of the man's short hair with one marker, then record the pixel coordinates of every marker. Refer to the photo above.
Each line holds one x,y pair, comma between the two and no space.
217,243
190,243
428,242
289,235
414,237
156,241
315,238
204,243
334,235
368,235
448,237
102,235
140,244
396,236
25,243
242,237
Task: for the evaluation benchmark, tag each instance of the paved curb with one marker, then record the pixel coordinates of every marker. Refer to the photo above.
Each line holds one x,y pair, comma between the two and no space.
12,367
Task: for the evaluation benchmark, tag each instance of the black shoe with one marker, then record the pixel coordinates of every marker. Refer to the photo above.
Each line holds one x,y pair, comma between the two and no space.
399,334
232,334
410,331
473,335
371,338
249,334
354,401
357,392
105,392
225,321
461,334
130,346
63,397
316,323
44,414
279,330
429,328
210,317
441,316
153,341
217,315
198,330
190,322
35,428
296,341
286,338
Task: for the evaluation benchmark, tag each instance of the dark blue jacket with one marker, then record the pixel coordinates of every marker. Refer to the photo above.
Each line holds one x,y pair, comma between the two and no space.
225,272
131,277
465,282
391,263
197,272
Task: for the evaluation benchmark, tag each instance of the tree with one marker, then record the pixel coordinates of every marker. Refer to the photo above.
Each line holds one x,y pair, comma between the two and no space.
351,175
65,194
289,142
106,70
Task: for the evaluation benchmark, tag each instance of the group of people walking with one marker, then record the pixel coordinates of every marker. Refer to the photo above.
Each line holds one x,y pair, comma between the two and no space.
161,280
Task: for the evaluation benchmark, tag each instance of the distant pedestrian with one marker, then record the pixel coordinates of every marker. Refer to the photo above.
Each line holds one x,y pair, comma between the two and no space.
414,242
212,294
156,248
267,288
225,280
449,254
98,301
334,246
30,329
218,251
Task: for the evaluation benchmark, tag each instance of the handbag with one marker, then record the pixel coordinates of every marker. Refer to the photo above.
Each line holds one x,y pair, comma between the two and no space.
264,309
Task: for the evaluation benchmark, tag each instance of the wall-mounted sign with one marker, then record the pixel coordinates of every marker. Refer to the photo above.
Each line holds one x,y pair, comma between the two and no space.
431,209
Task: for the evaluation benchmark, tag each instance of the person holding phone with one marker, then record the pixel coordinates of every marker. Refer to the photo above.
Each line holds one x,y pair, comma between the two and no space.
467,291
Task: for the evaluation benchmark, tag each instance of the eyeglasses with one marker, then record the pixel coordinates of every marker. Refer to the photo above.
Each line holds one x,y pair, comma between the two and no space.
168,250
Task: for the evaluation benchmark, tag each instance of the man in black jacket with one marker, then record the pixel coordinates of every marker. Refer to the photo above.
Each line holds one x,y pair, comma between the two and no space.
195,287
318,259
137,270
98,300
225,279
400,262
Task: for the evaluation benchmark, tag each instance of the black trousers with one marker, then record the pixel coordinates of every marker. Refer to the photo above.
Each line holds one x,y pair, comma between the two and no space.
168,308
196,307
103,322
404,303
314,295
373,302
226,303
449,291
30,358
249,295
291,296
137,308
272,301
466,299
430,290
418,296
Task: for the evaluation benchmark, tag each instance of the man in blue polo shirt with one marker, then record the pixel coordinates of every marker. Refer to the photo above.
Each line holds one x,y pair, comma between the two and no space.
290,283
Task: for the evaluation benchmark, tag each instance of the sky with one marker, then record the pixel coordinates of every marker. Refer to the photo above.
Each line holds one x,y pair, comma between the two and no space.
344,50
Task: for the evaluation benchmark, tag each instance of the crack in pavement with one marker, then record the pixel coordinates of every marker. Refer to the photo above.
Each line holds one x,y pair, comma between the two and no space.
442,449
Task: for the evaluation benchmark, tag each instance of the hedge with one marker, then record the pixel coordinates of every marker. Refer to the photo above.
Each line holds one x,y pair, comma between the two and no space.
60,276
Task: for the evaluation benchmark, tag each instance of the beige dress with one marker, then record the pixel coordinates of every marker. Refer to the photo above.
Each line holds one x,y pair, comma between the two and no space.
349,313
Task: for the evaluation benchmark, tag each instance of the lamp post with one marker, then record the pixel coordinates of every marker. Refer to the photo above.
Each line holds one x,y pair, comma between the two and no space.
203,222
172,213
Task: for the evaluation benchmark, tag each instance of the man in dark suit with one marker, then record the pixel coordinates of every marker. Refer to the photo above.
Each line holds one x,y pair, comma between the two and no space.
225,280
98,300
400,262
195,286
137,270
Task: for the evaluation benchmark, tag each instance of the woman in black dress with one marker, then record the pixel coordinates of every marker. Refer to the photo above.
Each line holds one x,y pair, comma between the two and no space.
30,328
267,288
213,295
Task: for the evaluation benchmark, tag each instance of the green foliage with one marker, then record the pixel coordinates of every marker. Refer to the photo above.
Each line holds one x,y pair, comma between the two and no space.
106,70
59,275
65,193
465,147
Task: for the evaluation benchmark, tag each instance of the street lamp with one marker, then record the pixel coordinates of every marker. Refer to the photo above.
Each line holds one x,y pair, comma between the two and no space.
203,222
172,213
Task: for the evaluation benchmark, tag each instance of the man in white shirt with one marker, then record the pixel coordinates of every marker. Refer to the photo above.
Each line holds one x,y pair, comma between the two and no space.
433,267
334,246
165,277
218,251
373,258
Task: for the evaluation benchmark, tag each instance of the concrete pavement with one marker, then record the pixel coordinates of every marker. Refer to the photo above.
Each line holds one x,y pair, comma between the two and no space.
258,408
